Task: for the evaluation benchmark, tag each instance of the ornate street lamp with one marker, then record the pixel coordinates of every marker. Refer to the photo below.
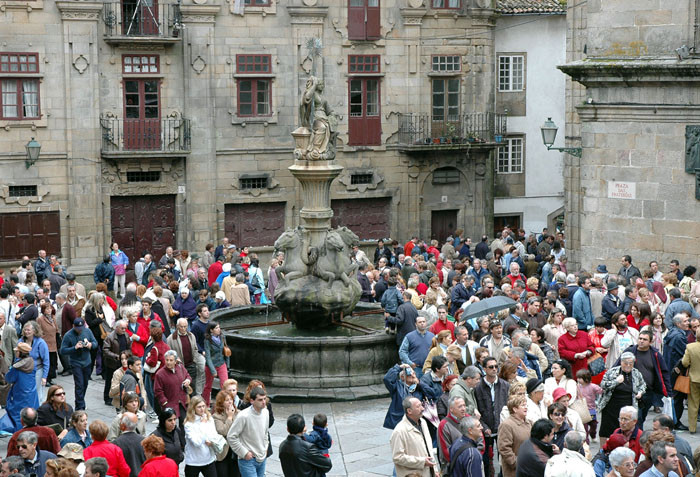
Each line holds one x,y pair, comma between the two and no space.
33,150
549,134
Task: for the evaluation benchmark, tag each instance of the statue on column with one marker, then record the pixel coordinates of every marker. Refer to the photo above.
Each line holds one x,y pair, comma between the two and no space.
316,114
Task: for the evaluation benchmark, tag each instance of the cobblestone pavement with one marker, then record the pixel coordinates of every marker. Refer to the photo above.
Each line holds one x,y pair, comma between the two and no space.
360,443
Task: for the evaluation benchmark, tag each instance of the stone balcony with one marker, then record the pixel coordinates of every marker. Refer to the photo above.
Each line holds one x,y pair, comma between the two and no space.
141,22
145,137
423,132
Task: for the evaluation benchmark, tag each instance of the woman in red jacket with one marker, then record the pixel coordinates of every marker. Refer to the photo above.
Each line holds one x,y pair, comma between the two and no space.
101,447
138,334
575,346
157,465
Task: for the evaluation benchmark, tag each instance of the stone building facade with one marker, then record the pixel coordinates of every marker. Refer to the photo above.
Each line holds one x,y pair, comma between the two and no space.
632,105
168,123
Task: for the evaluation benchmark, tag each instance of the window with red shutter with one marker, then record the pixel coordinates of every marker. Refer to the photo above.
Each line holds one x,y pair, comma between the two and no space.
363,20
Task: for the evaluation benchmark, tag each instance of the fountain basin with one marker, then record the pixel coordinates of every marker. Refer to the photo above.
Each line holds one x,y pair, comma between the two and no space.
344,362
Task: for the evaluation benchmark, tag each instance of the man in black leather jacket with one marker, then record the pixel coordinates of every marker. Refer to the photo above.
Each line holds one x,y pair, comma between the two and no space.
298,457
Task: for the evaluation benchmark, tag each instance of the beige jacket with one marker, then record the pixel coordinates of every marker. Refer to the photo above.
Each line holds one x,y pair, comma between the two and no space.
511,434
611,341
223,424
409,448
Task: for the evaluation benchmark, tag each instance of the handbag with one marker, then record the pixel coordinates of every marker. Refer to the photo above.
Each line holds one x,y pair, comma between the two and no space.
682,384
218,444
227,351
151,369
596,364
581,407
103,332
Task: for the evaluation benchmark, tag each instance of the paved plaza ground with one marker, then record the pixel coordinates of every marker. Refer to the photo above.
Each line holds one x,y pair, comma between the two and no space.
360,443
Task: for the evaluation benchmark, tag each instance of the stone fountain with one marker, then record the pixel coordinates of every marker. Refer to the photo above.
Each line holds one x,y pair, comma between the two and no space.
317,342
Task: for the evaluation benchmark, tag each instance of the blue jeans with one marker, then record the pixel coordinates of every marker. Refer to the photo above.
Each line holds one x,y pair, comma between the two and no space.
81,378
251,468
150,393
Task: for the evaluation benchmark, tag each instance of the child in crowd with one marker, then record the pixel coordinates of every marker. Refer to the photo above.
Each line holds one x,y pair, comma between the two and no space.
319,436
589,391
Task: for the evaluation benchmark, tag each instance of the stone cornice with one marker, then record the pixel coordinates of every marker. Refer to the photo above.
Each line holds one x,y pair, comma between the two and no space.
667,113
626,71
297,11
413,16
85,11
199,13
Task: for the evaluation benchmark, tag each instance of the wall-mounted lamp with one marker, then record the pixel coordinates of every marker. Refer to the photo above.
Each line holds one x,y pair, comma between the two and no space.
549,134
33,150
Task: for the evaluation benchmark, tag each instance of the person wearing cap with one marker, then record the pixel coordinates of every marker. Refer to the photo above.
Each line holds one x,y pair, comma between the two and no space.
601,461
185,305
74,453
561,396
23,391
220,301
225,272
536,408
77,345
611,302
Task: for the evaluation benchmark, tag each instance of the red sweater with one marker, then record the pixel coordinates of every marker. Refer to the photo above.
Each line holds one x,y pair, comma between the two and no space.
157,354
114,455
439,326
159,466
569,346
633,324
137,347
47,440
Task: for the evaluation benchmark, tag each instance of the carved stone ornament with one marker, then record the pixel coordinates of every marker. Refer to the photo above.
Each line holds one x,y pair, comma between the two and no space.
316,138
80,63
41,192
114,177
346,180
272,184
198,64
480,168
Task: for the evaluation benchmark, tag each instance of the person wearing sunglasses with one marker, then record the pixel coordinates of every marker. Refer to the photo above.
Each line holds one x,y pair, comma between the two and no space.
557,414
491,395
34,459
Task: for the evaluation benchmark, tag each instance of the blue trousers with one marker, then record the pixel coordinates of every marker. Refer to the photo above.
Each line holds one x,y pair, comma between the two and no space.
81,377
251,468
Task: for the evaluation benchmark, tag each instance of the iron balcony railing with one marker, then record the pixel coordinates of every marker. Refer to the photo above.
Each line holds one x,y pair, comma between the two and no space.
142,18
145,135
474,128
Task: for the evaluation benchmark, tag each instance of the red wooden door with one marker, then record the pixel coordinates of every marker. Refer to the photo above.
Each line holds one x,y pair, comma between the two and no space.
141,223
363,20
26,232
140,18
149,17
254,224
142,114
368,218
364,123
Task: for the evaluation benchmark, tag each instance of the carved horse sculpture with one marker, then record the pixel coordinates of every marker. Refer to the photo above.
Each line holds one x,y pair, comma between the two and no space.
296,258
334,263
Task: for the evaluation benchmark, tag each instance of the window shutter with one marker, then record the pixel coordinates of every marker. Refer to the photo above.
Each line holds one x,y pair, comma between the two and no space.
373,23
356,21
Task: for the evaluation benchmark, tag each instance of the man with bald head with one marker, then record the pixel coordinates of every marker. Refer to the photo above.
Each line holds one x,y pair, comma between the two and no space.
129,441
47,439
184,343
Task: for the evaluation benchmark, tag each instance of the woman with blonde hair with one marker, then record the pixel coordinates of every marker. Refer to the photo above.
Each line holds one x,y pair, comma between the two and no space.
32,335
516,389
199,429
439,346
434,289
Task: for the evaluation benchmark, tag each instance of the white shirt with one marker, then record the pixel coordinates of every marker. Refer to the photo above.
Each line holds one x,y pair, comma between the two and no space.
196,433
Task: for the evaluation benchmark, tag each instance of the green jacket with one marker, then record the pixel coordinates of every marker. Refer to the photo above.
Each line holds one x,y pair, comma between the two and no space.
460,389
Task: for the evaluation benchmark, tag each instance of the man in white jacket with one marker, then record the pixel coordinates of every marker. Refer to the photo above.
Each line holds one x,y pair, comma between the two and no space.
570,463
248,435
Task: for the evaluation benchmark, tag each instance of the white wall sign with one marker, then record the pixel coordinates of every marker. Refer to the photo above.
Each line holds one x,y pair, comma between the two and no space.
622,190
181,189
444,198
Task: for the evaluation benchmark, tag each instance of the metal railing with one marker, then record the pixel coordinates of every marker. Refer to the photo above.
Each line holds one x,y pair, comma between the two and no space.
142,18
475,128
139,135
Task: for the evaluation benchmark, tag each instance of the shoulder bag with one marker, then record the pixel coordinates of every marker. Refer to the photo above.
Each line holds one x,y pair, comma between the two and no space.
682,384
596,364
581,407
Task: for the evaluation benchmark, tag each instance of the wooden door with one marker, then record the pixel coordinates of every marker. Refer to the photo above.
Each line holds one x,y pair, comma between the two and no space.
26,232
142,114
254,224
140,17
141,223
500,221
368,218
149,17
363,20
443,223
365,123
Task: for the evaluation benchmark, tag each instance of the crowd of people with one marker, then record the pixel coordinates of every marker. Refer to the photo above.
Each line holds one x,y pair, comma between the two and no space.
574,357
147,332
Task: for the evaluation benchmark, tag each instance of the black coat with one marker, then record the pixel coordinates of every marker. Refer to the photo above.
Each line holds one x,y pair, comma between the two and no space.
302,459
174,444
491,411
532,458
130,444
366,287
405,320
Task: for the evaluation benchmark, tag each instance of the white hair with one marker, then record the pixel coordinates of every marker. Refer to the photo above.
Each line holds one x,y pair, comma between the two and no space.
569,321
619,455
629,410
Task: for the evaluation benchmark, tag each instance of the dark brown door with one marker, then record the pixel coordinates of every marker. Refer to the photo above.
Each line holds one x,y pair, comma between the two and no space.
365,123
368,218
443,223
363,20
28,232
142,114
144,222
254,224
500,221
140,18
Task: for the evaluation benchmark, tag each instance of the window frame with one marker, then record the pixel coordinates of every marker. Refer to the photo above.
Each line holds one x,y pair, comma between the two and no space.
19,77
132,72
446,93
254,94
10,54
257,3
253,73
446,5
445,71
509,87
508,148
19,98
367,61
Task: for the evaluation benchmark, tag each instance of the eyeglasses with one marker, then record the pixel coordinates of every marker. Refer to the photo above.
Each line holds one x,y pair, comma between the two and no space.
557,414
22,446
59,394
630,465
492,367
625,419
